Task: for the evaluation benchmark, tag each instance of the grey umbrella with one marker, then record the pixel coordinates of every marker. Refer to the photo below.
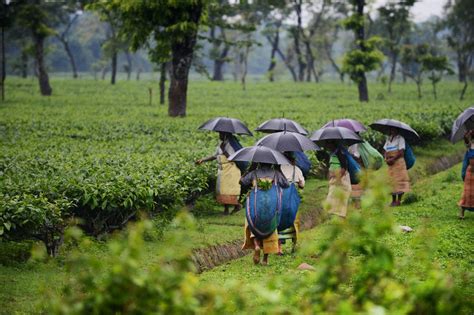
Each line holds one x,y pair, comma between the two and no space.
287,141
259,154
462,124
225,124
339,134
281,124
384,126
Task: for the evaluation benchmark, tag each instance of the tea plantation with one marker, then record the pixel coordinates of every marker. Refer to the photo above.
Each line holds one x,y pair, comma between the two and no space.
102,153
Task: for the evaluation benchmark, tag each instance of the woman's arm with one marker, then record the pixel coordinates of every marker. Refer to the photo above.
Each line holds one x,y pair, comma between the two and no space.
206,159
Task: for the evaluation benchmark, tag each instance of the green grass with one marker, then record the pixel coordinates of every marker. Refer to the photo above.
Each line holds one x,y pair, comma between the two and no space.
438,237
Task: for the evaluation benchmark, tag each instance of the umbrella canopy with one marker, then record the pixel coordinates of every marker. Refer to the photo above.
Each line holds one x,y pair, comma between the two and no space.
348,123
281,124
287,141
384,126
463,123
259,154
224,124
341,134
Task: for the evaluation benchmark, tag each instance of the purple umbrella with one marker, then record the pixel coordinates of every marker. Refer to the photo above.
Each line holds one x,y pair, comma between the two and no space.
462,124
348,123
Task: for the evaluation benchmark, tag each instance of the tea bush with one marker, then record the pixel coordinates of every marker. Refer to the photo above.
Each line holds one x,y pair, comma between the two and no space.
100,153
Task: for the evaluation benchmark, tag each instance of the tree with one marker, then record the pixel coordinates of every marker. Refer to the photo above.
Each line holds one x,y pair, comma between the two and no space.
365,56
108,12
460,23
38,21
173,27
394,18
68,16
437,66
6,20
421,58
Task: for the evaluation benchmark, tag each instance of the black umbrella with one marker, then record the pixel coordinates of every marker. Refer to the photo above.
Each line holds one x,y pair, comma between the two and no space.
340,134
259,154
462,124
287,141
224,124
281,124
384,126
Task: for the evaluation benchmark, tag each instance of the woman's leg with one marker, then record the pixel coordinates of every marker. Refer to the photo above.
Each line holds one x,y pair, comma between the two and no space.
256,253
280,252
399,201
226,209
394,200
461,213
237,208
265,259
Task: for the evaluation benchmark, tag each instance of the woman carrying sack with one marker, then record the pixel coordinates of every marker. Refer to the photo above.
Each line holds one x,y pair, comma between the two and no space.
467,198
288,227
263,209
228,173
397,168
339,181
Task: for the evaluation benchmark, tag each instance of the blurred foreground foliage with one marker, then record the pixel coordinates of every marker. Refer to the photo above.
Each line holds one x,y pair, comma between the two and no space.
355,274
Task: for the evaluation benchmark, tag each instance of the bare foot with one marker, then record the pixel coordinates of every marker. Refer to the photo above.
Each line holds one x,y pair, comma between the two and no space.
256,256
265,260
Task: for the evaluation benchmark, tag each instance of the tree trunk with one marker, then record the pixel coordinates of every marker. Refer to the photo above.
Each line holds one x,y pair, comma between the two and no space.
181,59
360,37
463,91
43,78
114,67
418,87
392,71
462,62
24,64
296,37
104,72
275,44
362,86
70,57
3,73
245,57
139,71
162,82
218,75
129,65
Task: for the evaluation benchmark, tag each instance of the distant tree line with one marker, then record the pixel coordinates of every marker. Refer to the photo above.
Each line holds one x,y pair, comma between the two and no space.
304,38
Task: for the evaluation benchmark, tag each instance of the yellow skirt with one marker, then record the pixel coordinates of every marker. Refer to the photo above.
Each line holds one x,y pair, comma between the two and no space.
270,244
398,173
227,186
339,193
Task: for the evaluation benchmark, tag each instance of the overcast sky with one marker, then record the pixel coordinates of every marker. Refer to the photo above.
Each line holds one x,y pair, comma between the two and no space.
422,9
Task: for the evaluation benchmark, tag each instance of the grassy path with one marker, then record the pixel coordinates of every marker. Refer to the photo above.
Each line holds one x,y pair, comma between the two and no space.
23,284
433,217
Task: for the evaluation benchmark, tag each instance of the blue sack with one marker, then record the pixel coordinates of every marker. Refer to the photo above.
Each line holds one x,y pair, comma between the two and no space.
263,211
235,144
410,158
290,203
469,155
303,162
353,167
